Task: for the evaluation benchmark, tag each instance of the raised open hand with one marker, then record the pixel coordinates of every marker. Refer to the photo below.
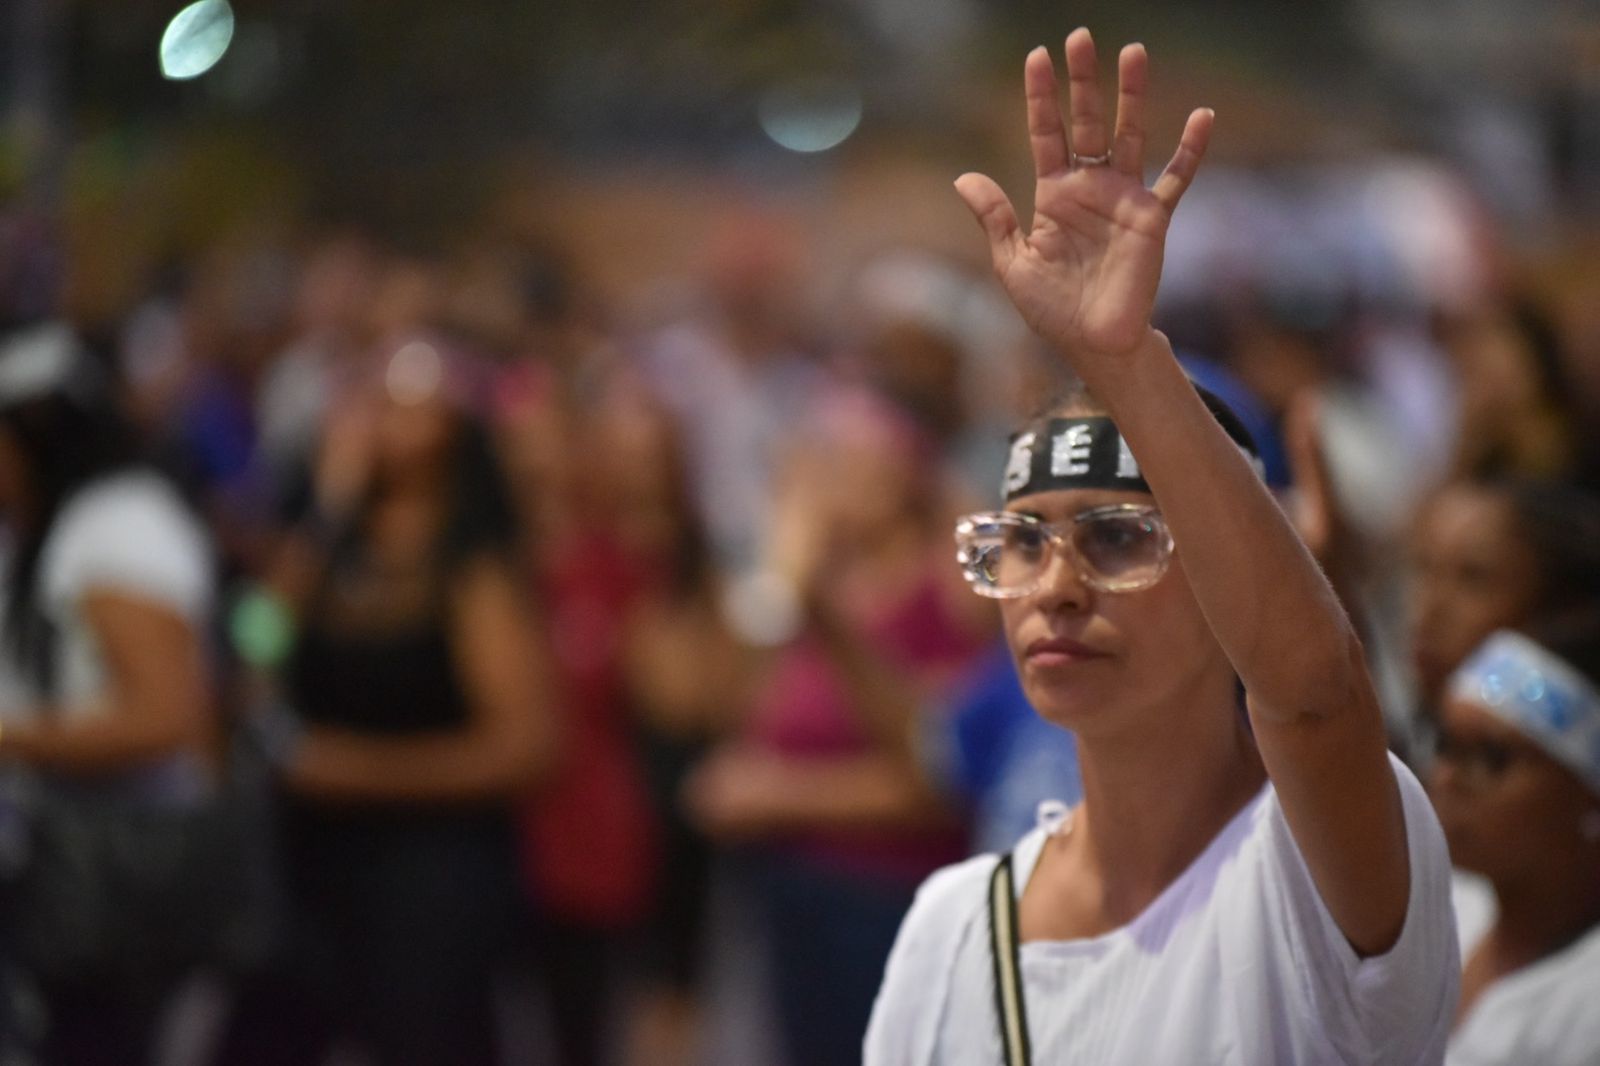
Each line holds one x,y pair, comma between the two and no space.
1084,276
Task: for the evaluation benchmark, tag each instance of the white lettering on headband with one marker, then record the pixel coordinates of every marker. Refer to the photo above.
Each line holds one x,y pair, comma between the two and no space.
1527,687
1081,453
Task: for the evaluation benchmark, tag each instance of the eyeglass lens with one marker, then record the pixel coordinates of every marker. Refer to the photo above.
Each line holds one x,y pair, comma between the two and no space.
1120,550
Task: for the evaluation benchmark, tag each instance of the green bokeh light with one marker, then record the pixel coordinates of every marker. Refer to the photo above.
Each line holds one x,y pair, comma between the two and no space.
261,628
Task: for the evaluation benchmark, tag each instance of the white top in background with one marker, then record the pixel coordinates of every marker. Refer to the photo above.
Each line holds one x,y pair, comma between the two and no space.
130,533
1545,1013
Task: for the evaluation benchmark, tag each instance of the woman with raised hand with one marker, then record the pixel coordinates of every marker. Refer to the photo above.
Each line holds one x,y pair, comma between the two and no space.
1243,884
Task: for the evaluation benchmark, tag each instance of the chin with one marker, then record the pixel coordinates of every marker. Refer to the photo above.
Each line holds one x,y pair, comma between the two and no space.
1070,704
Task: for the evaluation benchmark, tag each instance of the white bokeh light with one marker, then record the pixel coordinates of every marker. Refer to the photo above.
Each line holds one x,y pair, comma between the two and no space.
811,116
196,39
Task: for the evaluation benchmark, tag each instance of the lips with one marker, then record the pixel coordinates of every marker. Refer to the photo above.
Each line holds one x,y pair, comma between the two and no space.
1050,651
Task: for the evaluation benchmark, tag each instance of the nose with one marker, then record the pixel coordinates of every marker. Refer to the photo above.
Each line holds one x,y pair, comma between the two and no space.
1062,587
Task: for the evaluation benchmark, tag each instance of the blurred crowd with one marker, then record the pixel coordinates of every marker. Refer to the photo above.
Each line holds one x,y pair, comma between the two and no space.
418,655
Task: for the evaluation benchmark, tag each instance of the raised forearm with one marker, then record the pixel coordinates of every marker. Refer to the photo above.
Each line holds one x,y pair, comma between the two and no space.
1265,598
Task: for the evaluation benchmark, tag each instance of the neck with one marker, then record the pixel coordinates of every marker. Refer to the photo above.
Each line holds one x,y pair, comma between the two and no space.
1152,803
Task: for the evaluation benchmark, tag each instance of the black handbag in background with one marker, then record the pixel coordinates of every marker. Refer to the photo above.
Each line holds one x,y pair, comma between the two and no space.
111,888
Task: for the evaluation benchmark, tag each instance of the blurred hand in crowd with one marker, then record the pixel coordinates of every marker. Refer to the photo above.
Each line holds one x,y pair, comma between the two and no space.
347,456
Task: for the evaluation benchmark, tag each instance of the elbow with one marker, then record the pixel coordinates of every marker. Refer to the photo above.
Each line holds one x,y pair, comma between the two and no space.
1337,683
1330,682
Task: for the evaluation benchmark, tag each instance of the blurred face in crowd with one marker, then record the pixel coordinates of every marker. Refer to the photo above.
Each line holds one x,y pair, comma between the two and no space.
1103,663
1497,366
872,490
1473,574
413,438
1508,809
415,419
872,469
637,473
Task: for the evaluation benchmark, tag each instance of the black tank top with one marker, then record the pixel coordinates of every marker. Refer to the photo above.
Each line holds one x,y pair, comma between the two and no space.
390,683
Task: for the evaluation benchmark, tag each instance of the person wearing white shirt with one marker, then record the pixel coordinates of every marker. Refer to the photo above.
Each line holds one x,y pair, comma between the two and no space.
1517,786
107,732
1240,884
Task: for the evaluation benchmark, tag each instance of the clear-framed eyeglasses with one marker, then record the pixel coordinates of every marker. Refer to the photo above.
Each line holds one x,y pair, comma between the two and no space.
1118,548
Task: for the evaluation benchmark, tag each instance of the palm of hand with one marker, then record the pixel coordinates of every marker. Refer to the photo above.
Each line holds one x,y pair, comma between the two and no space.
1084,277
1087,271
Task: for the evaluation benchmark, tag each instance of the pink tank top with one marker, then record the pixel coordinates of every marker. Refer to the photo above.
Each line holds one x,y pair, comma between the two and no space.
803,712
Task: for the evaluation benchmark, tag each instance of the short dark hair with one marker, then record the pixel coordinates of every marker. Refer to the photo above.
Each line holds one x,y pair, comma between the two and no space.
1075,398
1560,524
1573,637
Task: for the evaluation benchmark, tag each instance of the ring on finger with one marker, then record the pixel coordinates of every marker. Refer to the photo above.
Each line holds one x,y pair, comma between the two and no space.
1081,160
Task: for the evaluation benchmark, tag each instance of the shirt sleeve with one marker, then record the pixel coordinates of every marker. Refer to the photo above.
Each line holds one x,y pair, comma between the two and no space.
1394,1008
906,1015
134,537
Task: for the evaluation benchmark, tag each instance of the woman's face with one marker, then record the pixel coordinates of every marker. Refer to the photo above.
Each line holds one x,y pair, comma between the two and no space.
1103,662
635,475
413,438
1472,574
870,488
1507,808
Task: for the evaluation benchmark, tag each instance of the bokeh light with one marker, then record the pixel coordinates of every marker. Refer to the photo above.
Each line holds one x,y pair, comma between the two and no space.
810,116
195,39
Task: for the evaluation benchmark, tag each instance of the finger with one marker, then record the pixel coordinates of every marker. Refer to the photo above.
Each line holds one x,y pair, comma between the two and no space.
1180,171
1083,95
1045,132
1127,148
989,205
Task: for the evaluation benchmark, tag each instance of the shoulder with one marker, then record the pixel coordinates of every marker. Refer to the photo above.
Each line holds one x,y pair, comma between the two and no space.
921,967
1383,1007
1428,854
141,497
130,531
950,896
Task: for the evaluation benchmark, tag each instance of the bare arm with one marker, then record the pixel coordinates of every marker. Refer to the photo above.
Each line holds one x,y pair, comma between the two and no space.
506,743
1084,277
158,696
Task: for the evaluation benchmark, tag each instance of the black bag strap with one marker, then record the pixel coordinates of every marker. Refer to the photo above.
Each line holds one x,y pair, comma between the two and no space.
1011,1013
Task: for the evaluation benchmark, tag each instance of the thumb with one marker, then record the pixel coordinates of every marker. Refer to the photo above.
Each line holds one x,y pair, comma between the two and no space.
989,205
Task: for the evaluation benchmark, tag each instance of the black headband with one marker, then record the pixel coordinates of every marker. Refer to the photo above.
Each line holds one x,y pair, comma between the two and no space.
1088,452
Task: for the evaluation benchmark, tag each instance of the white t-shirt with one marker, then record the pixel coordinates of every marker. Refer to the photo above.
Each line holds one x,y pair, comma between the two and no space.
1545,1013
130,533
1238,961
